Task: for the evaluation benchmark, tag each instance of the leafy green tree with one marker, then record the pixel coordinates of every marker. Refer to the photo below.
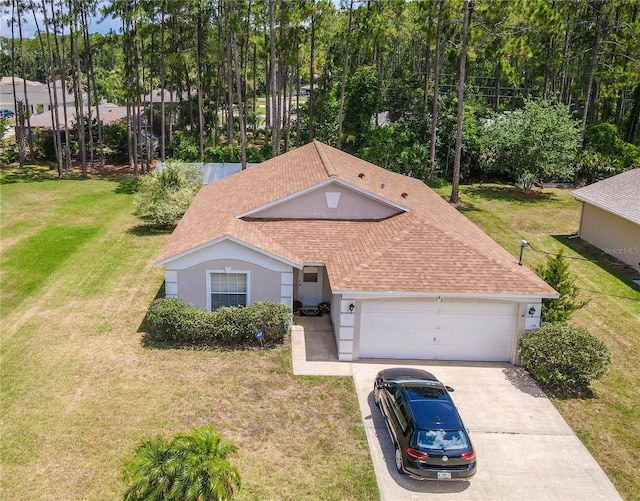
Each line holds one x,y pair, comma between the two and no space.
535,144
556,273
189,467
163,197
363,99
605,139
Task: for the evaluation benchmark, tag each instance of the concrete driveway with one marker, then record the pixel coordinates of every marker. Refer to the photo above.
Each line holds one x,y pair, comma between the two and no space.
526,451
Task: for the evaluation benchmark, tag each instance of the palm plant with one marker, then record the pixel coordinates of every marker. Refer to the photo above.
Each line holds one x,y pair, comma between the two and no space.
205,474
190,467
151,471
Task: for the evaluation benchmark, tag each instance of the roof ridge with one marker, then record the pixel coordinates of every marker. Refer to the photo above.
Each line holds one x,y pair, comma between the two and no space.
326,161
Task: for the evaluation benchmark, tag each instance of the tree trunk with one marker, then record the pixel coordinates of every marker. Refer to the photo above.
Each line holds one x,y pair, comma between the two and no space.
592,67
163,120
238,69
53,98
24,85
92,84
454,199
436,88
312,71
80,118
275,137
199,45
427,59
17,104
344,76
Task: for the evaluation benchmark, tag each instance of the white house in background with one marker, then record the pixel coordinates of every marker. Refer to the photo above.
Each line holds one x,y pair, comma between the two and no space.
109,113
610,217
406,275
37,94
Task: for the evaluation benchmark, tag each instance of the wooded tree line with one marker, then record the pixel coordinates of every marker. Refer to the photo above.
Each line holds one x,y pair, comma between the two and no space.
397,82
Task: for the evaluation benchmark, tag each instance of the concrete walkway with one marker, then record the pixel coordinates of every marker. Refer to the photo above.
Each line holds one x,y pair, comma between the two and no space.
526,451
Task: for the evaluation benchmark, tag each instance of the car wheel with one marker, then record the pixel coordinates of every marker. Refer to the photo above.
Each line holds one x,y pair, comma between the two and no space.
376,398
399,460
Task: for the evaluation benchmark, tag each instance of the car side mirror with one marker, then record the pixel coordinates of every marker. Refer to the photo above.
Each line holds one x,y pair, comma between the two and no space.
449,389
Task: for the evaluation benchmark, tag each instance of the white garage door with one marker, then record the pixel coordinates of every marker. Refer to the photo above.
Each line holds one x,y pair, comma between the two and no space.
432,330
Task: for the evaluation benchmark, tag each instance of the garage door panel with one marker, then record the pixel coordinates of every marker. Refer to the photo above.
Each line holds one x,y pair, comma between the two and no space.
431,330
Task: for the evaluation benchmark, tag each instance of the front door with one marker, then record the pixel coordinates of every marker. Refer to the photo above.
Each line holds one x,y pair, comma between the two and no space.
310,285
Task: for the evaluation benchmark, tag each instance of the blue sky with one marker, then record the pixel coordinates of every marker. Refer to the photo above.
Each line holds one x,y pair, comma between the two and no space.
97,25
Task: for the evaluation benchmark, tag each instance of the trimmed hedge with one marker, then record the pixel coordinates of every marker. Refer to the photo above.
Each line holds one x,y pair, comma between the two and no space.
563,356
172,321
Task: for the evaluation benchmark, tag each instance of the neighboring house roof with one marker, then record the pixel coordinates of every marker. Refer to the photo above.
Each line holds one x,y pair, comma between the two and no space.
37,92
619,195
109,113
169,96
425,246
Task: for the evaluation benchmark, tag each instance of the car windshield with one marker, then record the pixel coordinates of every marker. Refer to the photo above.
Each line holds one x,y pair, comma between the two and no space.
442,440
425,392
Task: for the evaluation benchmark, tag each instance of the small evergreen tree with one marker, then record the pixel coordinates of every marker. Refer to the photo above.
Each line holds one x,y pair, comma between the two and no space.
556,273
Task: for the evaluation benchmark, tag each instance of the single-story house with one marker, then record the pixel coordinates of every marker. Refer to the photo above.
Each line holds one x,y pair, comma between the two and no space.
610,217
405,274
109,113
37,94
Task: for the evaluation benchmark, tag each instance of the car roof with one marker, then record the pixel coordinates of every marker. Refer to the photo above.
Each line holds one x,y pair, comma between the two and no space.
406,373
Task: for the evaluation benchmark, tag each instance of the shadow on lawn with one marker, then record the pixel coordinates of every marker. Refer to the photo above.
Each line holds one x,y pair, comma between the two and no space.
126,186
144,230
28,174
507,193
606,262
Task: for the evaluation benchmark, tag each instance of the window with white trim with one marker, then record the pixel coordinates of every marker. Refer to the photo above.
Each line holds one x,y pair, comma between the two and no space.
228,289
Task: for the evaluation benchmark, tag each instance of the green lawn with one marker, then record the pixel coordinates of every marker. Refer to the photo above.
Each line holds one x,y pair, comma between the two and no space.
609,423
79,391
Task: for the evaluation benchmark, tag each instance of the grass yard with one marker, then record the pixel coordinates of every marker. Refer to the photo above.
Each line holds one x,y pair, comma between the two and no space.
79,391
609,423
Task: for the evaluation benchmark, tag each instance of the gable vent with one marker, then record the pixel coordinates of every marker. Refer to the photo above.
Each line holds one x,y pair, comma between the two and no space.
361,175
404,195
333,197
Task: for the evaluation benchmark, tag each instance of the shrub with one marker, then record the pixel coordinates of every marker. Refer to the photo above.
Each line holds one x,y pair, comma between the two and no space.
172,321
164,196
564,356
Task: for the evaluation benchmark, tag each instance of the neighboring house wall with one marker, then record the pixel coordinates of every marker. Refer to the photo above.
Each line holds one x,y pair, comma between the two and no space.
187,278
611,234
332,201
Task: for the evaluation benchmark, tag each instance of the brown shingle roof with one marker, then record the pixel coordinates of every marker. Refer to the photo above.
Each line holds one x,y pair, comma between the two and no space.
619,195
430,248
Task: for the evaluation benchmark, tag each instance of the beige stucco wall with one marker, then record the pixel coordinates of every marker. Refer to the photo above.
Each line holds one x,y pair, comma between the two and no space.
264,285
349,204
611,234
269,279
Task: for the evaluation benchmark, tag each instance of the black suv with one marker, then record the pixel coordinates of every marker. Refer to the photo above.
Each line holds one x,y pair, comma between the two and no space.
430,440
